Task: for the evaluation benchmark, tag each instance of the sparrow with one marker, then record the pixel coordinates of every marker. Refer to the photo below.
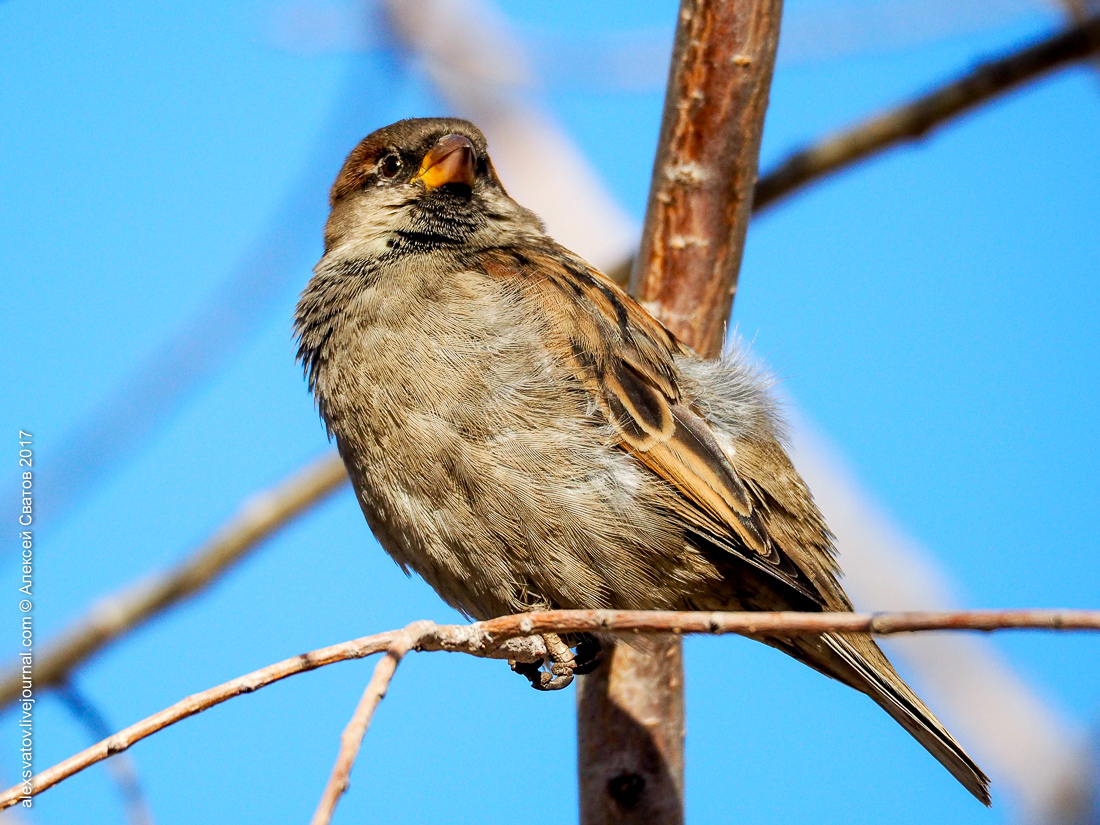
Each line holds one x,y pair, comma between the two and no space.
525,436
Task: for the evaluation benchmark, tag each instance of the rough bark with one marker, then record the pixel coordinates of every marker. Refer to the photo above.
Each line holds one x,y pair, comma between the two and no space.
703,177
630,731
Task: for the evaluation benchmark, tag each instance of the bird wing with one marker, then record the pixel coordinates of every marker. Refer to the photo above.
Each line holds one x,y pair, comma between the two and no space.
626,359
747,499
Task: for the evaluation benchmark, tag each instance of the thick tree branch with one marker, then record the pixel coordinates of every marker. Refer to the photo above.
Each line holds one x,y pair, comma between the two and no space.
509,637
258,518
631,714
918,117
703,176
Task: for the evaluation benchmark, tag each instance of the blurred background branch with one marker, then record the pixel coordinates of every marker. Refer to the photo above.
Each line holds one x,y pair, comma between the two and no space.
917,118
121,767
121,613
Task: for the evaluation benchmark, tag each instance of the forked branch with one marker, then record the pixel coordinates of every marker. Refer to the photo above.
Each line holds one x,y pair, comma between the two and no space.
352,737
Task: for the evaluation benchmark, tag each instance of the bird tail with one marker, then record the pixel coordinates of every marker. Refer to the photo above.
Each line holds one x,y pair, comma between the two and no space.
857,661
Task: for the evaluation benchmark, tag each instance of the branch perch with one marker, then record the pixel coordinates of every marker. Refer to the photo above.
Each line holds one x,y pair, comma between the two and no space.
507,638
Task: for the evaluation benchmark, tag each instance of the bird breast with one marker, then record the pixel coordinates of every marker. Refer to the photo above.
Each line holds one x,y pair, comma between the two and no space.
479,459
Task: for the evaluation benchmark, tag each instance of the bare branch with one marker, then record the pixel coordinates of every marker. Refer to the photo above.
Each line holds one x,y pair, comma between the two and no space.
1082,10
117,615
918,117
356,729
493,638
197,703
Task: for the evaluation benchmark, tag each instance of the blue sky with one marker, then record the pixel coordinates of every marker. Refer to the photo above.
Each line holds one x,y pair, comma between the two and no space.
934,311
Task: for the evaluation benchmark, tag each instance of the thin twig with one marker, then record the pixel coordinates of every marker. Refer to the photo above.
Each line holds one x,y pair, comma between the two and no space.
121,767
489,639
197,703
258,518
918,117
353,734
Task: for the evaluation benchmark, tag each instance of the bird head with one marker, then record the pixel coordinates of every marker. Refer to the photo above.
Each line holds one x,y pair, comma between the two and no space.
421,185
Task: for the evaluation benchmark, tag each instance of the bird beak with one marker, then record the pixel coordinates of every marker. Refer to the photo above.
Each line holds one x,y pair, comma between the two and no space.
451,160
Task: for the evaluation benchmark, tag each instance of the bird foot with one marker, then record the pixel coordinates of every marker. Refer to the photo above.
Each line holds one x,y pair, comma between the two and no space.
560,664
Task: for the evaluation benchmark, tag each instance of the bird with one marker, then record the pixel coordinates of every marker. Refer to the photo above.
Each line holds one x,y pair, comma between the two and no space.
525,436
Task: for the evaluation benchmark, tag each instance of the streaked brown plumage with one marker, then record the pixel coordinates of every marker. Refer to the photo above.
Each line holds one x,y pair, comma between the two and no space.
524,435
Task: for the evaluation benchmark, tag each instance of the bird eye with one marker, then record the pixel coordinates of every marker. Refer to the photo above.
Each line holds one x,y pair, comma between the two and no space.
389,166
